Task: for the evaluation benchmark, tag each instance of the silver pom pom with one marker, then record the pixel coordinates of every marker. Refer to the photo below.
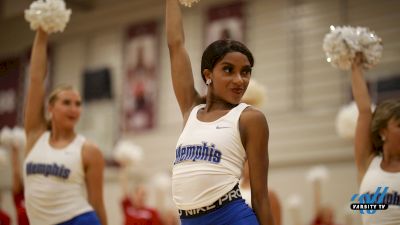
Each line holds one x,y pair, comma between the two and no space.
346,120
294,201
19,138
255,94
317,173
128,153
51,15
188,3
342,44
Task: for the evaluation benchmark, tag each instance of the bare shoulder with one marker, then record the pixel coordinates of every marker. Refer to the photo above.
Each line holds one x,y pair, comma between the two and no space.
91,152
252,116
252,125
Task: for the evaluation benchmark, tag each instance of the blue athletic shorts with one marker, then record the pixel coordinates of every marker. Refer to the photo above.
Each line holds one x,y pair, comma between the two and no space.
233,213
89,218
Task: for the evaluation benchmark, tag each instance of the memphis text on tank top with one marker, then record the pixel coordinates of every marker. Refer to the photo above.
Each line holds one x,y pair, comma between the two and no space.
202,152
47,169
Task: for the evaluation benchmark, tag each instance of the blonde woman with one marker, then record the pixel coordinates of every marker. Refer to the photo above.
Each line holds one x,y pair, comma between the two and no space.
377,150
60,165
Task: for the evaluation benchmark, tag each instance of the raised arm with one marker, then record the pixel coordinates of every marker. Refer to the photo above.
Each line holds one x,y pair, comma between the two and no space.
123,180
362,144
317,195
17,185
35,123
255,134
94,167
181,69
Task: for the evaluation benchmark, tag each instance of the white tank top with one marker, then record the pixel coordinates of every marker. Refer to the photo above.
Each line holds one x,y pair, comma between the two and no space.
209,159
54,179
376,177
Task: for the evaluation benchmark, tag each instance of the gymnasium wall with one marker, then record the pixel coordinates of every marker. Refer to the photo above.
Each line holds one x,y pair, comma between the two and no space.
304,93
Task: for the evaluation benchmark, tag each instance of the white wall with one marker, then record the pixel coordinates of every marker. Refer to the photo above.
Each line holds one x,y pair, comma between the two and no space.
303,91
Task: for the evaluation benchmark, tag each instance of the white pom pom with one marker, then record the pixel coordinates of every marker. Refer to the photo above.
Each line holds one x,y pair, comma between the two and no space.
342,44
255,94
294,201
162,181
19,137
128,153
6,137
317,173
188,3
3,157
51,15
346,120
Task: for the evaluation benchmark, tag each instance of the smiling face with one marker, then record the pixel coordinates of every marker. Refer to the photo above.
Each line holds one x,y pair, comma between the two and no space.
230,77
65,109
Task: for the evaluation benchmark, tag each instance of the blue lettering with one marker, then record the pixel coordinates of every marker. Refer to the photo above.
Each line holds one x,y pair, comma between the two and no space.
202,152
370,199
47,170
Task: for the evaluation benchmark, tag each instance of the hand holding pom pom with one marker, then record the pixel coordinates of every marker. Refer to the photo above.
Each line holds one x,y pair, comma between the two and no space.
343,43
50,15
188,3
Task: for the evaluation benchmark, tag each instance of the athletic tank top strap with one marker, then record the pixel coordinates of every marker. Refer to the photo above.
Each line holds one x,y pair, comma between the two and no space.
43,140
375,163
234,114
193,113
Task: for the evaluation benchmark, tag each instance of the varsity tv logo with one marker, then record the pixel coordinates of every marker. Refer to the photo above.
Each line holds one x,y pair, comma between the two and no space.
370,203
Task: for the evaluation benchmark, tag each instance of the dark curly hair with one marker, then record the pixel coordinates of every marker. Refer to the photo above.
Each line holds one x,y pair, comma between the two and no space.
218,49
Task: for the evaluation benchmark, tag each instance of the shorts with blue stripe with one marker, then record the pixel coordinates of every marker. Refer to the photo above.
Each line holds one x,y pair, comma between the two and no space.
236,212
88,218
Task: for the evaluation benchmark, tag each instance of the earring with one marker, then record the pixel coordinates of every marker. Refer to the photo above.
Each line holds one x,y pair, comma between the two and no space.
383,138
208,82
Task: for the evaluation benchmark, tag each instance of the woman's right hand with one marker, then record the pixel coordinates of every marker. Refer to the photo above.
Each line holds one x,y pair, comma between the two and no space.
357,61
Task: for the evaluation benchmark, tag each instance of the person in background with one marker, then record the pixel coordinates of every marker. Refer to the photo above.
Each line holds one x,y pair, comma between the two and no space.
134,203
377,148
60,165
4,217
18,186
